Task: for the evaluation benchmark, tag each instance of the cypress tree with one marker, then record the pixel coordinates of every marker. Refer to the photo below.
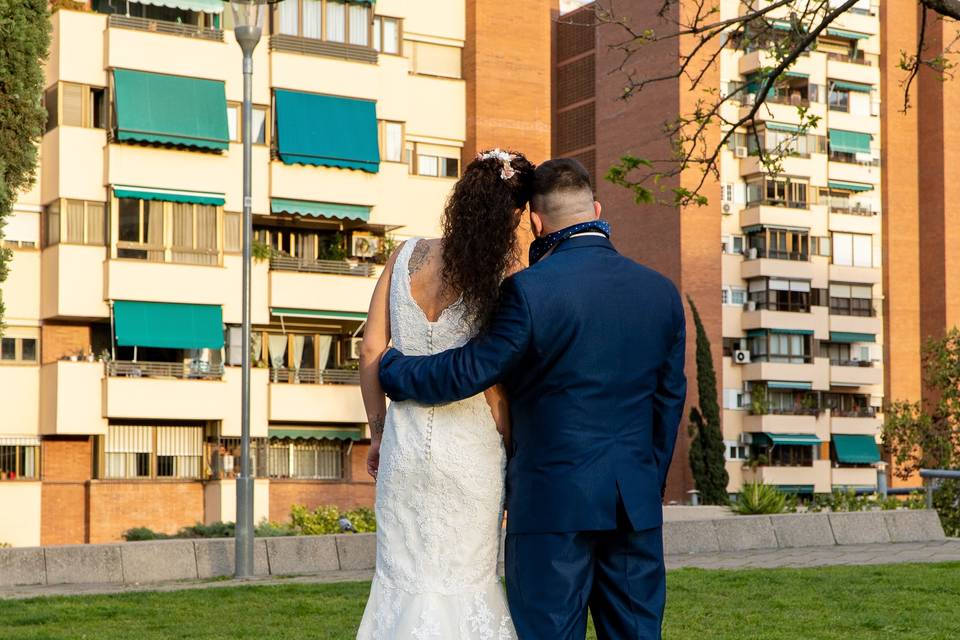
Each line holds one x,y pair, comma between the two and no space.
707,459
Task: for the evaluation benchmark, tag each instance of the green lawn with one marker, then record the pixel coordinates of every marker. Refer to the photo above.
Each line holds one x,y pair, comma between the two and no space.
899,601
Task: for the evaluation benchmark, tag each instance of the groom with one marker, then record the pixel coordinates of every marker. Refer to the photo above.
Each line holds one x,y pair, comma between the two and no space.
589,346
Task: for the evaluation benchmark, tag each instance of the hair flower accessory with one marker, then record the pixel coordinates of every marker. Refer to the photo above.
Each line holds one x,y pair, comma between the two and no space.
507,171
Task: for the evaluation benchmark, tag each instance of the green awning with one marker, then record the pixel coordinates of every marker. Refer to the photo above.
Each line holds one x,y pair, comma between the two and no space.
796,74
168,195
849,141
849,35
785,438
795,489
205,6
851,86
168,325
859,449
777,126
849,336
756,333
153,107
327,315
327,131
783,384
320,209
316,434
849,186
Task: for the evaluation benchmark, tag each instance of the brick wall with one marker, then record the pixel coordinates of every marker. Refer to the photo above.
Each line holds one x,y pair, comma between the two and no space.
58,340
66,467
311,493
166,506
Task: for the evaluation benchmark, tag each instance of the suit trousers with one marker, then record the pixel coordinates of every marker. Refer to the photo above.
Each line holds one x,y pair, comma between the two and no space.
553,578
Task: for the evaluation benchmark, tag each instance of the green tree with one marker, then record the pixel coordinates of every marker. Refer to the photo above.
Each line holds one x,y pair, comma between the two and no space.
707,460
25,29
926,435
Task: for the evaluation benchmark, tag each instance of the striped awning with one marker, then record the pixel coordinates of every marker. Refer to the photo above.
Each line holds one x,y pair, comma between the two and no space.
169,195
204,6
315,433
313,209
318,314
849,186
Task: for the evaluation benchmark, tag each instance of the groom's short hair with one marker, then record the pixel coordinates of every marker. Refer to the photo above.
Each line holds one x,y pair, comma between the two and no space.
562,187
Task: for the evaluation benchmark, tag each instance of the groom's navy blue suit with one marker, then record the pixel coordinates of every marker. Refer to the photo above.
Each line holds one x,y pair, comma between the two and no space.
589,346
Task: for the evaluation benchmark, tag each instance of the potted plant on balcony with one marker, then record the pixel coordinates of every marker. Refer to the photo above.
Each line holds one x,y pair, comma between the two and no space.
758,401
261,251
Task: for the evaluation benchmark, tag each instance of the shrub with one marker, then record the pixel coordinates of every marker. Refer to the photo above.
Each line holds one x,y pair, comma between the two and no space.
362,519
267,529
215,530
139,534
760,499
320,521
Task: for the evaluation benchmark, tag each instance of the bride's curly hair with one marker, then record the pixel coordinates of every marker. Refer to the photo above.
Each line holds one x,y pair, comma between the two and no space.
479,230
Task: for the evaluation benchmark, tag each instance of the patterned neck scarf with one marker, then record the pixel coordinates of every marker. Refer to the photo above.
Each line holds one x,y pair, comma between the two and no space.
543,245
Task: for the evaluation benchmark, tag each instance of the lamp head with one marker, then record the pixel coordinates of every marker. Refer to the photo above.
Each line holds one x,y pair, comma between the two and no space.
249,17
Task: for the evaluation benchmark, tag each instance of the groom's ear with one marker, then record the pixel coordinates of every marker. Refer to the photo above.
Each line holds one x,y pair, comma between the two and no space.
536,223
597,210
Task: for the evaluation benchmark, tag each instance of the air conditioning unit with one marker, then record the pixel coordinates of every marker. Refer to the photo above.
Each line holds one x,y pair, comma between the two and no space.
727,208
752,253
745,439
364,245
353,348
750,305
740,152
741,356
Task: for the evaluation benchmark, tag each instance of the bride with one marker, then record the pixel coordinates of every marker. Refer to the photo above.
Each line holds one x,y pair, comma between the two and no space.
440,470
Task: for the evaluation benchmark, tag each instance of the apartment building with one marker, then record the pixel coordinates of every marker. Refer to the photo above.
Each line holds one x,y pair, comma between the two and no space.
785,268
120,361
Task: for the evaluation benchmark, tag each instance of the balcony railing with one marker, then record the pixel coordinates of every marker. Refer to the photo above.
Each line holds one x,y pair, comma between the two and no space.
856,307
838,362
868,412
753,253
851,209
776,202
162,26
854,58
314,376
757,305
791,411
335,267
191,370
314,47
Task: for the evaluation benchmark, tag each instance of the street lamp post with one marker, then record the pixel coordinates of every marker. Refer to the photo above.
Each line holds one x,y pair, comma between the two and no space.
248,18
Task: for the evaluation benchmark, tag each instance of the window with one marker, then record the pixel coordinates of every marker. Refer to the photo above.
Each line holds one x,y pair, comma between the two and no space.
75,222
776,294
151,451
434,160
735,296
22,349
780,244
19,459
780,347
232,232
312,21
289,18
235,123
853,249
391,141
313,459
330,20
778,192
435,59
140,229
736,451
838,99
336,22
386,35
194,233
76,105
848,405
789,455
851,300
838,352
359,22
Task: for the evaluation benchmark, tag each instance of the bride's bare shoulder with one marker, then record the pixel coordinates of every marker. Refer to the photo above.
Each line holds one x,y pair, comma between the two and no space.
425,252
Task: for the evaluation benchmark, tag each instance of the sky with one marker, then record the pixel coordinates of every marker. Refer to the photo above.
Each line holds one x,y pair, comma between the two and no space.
570,5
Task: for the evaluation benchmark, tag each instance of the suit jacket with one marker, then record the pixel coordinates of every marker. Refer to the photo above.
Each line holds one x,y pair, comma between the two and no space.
589,346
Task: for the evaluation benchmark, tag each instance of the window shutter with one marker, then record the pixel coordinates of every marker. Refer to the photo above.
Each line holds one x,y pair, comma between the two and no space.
234,345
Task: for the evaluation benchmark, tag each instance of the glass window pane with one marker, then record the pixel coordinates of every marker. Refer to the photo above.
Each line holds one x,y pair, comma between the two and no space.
8,349
336,22
259,125
74,230
129,220
53,224
393,143
233,117
311,18
153,223
451,167
391,36
862,251
232,230
359,25
843,249
183,225
206,227
28,349
377,28
95,223
860,291
72,108
428,165
289,18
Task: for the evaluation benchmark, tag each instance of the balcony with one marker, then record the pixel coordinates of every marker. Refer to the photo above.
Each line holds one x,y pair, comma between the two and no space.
149,281
327,403
864,424
846,273
800,421
320,291
867,322
814,319
816,372
760,266
315,376
186,396
332,267
71,396
164,26
854,477
193,370
315,47
817,475
858,373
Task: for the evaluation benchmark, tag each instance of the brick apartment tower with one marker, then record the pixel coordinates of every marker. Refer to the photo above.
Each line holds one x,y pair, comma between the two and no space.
595,126
921,201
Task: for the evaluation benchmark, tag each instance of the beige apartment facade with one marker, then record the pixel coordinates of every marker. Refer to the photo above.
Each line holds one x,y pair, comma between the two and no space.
120,372
791,295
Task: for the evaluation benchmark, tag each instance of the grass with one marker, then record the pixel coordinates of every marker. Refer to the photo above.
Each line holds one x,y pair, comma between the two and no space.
852,603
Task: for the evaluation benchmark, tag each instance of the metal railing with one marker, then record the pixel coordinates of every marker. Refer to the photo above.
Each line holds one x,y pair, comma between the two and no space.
195,370
838,362
855,58
314,376
325,48
932,477
335,267
868,412
854,209
163,26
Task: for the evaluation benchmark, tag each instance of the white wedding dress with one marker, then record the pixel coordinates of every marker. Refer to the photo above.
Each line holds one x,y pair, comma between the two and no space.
440,492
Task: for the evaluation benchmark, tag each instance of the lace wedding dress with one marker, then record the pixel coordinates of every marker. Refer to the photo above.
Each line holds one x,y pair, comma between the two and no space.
440,492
